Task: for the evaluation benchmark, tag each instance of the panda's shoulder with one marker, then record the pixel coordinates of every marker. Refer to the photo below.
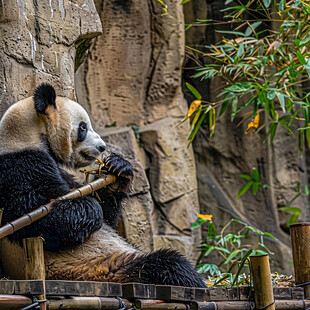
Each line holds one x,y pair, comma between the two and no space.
28,161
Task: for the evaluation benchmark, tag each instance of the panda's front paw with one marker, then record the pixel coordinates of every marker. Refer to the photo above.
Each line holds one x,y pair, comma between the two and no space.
122,169
118,166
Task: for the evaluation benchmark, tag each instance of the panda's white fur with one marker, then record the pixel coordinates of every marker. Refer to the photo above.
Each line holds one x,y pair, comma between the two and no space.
37,136
59,126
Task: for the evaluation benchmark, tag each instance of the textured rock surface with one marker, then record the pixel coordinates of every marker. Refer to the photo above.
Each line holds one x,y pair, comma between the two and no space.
173,182
133,72
136,225
132,75
37,44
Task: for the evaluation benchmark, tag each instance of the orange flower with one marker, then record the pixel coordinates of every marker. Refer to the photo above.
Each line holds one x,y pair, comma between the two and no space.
207,217
193,107
253,124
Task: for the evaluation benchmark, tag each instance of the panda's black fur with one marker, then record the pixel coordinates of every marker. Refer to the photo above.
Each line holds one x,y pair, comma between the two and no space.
31,174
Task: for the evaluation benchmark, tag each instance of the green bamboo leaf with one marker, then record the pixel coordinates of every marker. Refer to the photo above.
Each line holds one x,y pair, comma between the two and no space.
255,175
240,50
244,189
263,246
301,58
271,132
211,230
249,30
195,129
304,41
290,209
286,127
256,186
227,276
237,33
240,87
307,190
231,256
222,250
193,90
226,104
188,27
184,1
246,177
307,66
238,221
267,3
281,100
211,248
198,223
293,219
308,137
241,266
194,121
301,142
271,94
212,121
270,235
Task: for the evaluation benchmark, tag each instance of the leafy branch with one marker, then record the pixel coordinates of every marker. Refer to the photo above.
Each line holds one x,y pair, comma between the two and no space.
263,68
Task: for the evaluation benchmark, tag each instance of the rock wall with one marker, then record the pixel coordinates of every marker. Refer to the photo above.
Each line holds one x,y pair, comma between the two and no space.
39,43
132,76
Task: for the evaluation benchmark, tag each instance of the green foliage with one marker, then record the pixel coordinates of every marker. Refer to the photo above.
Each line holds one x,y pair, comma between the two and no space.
252,181
263,68
231,247
295,211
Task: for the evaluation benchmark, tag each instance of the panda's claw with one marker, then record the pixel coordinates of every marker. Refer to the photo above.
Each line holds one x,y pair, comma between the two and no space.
119,166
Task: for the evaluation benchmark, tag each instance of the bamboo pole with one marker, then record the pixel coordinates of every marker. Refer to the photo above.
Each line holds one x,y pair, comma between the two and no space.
14,302
159,304
300,236
88,303
34,263
263,291
42,211
248,305
205,305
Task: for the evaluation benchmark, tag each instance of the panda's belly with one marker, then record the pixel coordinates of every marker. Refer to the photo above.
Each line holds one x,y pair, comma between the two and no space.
100,258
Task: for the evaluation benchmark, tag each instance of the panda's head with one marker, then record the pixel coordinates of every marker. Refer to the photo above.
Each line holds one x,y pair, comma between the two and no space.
55,123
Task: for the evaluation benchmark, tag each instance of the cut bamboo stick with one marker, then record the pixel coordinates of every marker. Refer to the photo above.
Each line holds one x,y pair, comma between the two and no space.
88,303
34,264
159,304
42,211
14,302
263,291
300,236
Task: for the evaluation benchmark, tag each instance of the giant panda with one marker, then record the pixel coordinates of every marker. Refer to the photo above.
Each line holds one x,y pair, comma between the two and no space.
42,138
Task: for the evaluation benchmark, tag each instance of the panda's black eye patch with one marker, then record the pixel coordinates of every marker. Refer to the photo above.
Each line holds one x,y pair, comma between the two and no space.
82,131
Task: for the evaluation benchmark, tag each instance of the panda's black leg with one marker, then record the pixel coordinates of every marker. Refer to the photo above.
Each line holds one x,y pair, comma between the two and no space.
166,267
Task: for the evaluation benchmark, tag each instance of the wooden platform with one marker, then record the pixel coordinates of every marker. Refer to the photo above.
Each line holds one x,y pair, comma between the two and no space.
138,290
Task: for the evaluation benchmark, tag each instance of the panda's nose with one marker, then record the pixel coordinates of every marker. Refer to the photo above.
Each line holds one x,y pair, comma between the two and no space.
101,146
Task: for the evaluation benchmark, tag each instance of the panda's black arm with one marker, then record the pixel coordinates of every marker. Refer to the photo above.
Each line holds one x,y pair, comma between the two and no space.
111,197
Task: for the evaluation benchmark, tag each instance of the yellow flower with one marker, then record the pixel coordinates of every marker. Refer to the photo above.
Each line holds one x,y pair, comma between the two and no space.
207,217
193,107
253,124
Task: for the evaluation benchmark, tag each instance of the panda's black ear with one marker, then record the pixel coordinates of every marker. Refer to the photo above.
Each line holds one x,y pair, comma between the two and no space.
44,97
